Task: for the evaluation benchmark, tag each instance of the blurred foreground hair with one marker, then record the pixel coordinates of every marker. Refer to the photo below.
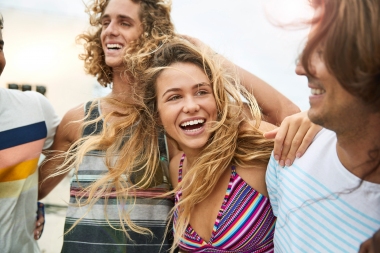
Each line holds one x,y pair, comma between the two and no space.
347,33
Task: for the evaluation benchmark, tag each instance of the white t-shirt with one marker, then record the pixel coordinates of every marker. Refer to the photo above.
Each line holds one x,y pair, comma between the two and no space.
319,204
27,126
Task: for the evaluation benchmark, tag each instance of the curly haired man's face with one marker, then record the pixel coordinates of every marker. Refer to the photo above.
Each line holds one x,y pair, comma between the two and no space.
120,25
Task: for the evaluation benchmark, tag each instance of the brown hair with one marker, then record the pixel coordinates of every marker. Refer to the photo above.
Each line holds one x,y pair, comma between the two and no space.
1,21
348,34
155,19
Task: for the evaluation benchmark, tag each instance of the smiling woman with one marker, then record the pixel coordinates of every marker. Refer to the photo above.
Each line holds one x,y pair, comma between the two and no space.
219,175
187,105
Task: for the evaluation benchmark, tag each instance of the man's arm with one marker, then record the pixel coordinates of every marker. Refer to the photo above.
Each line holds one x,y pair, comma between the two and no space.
67,133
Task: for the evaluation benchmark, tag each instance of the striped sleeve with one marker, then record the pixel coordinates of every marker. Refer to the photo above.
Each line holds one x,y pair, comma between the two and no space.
272,184
51,118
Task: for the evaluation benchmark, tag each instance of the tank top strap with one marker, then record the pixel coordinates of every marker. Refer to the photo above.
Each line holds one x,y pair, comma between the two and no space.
233,171
180,168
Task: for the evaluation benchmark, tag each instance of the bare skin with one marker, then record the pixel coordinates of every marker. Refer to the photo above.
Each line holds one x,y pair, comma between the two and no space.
372,245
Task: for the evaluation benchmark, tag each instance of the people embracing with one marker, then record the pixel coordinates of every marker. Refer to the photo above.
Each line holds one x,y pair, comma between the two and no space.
120,194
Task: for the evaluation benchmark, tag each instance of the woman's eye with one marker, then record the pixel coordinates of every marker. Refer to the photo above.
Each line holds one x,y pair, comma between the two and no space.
125,24
174,97
201,92
105,23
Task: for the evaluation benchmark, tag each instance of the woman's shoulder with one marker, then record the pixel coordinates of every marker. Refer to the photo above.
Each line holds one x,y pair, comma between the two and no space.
254,176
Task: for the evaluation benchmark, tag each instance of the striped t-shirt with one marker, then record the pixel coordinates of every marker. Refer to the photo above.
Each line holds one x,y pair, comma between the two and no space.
318,204
27,125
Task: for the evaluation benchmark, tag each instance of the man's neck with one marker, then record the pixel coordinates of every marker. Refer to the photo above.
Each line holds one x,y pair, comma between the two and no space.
360,152
121,84
122,91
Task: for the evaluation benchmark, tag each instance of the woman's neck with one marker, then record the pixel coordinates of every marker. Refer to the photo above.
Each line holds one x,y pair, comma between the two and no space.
191,156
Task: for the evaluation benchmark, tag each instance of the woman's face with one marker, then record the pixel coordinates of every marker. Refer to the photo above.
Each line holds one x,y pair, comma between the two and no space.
120,25
186,105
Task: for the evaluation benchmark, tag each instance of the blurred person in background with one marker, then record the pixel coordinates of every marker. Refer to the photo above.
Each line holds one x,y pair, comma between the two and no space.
27,126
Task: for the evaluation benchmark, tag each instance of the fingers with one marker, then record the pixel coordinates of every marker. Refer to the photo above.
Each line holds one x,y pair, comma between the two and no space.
39,228
294,140
279,140
293,137
271,134
40,221
291,142
307,139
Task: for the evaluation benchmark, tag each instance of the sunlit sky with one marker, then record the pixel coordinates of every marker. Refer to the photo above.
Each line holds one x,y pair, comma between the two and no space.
40,43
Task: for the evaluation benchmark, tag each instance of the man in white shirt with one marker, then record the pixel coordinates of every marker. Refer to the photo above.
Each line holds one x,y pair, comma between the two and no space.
329,200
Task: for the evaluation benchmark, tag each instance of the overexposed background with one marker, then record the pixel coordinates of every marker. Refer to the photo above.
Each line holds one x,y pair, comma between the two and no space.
40,49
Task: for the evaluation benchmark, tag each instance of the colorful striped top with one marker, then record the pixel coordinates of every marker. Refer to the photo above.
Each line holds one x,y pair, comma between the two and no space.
245,222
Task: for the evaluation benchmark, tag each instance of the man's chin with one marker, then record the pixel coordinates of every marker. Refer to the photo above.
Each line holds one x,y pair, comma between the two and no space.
315,117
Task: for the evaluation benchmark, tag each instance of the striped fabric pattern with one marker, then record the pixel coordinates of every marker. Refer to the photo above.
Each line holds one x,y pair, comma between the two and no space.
27,126
318,204
94,233
245,222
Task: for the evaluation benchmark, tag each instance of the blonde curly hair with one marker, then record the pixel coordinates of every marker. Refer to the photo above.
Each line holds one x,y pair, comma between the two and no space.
131,152
157,27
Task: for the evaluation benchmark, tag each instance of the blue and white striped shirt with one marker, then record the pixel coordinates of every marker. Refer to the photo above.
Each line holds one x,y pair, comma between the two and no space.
318,204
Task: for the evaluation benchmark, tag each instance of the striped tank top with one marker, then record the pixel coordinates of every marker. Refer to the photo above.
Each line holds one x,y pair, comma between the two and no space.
245,222
94,233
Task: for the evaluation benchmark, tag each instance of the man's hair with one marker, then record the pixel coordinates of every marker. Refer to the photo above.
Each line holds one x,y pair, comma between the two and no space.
1,21
347,34
156,23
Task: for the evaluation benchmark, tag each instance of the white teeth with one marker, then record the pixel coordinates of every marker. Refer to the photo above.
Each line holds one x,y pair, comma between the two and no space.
192,122
193,130
317,91
112,46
